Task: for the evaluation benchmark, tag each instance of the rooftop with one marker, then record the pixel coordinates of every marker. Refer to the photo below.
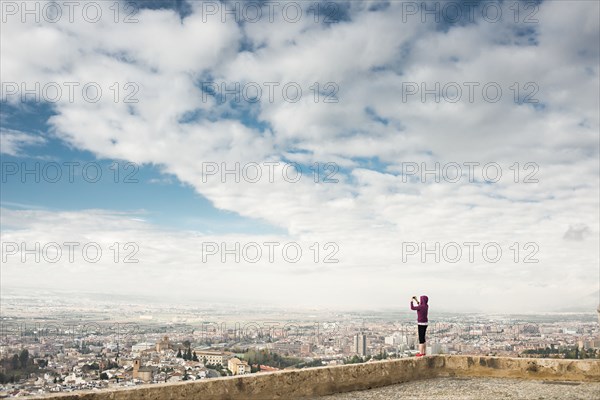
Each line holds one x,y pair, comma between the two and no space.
476,388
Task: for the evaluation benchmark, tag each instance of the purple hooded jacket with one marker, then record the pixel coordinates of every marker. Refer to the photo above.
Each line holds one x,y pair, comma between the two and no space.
422,309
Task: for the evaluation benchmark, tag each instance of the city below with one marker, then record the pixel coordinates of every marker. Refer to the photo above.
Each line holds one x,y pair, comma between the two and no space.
50,346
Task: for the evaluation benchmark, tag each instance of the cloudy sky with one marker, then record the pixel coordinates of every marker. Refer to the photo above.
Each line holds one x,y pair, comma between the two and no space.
348,154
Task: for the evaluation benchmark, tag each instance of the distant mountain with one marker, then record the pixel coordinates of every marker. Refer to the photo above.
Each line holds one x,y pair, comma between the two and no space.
586,303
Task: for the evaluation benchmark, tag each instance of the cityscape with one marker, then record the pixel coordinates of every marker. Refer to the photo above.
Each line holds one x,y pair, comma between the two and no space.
94,346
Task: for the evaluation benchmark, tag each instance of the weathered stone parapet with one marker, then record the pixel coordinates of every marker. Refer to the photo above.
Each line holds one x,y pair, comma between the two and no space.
523,368
321,381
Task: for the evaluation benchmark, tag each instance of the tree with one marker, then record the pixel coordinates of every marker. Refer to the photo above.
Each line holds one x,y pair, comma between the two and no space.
24,358
14,362
194,357
355,359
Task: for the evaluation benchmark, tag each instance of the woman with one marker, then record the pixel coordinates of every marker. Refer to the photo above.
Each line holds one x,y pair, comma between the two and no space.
422,308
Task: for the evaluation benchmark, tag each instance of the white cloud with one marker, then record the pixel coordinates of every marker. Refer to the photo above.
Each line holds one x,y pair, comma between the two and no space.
370,211
577,232
12,142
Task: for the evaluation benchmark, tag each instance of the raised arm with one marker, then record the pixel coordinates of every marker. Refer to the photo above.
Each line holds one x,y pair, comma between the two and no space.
413,307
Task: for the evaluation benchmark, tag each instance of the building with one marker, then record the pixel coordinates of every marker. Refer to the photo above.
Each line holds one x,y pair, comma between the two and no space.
395,340
145,374
266,368
212,357
306,349
163,344
434,348
144,346
238,367
360,344
291,348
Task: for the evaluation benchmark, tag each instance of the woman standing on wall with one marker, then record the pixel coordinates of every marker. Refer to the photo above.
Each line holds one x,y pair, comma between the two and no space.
422,308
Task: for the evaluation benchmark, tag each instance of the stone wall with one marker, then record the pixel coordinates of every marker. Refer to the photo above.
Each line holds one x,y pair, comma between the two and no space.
328,380
524,368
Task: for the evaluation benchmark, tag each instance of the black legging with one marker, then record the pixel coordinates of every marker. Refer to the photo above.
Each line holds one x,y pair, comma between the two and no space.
422,329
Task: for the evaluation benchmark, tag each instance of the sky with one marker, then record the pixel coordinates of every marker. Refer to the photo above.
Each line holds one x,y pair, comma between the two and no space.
308,154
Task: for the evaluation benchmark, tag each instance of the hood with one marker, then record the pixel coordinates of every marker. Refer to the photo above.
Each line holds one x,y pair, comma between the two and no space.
424,300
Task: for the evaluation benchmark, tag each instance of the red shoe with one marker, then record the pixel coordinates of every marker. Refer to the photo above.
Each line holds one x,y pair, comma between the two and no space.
419,355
